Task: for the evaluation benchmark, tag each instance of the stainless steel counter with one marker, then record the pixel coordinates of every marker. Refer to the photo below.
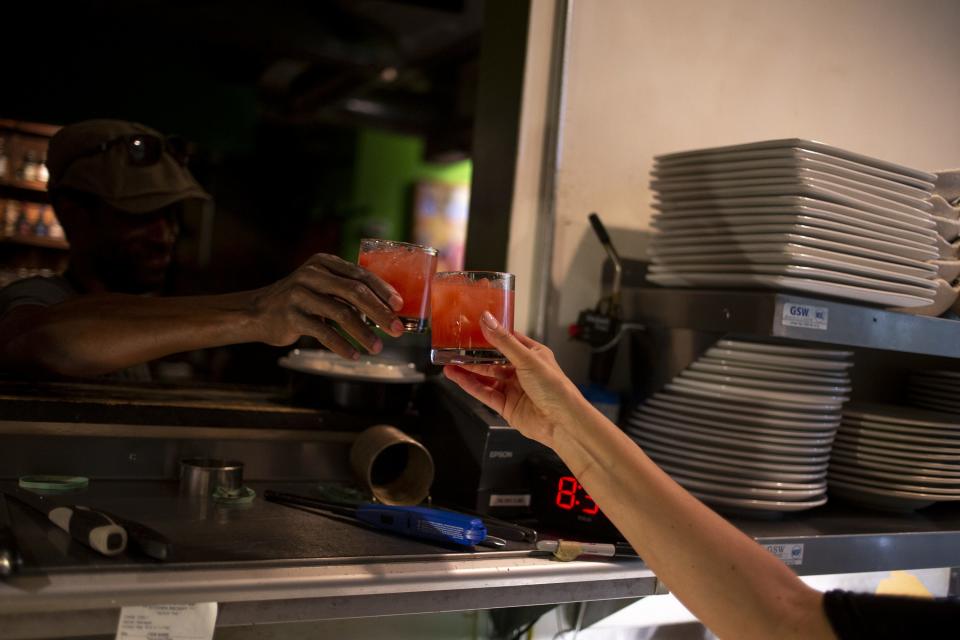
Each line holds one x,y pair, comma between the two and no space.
270,563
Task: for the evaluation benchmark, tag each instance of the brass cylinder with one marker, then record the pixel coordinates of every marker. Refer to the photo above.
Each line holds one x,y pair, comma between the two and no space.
396,468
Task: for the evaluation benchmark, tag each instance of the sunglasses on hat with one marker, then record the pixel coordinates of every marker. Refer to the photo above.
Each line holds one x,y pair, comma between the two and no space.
144,149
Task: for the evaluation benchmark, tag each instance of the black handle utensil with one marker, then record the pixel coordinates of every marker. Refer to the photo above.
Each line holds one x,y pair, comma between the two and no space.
87,526
10,558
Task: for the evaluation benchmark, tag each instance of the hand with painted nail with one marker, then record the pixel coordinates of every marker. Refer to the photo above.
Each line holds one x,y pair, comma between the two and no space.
324,292
532,393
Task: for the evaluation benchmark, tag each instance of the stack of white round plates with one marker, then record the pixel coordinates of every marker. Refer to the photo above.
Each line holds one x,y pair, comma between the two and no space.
798,215
748,427
896,458
936,390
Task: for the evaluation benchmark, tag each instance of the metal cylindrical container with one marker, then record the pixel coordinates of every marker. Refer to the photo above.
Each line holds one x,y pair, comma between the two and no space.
200,476
396,468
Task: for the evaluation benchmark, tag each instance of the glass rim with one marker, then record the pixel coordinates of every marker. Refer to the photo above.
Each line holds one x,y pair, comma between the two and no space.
503,275
398,243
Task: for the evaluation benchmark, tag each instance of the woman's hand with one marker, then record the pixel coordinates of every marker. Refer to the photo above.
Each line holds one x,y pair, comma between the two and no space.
531,393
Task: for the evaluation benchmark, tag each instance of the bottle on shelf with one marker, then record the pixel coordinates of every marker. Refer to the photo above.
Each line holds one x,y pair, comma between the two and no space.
4,161
10,218
40,228
42,174
23,227
28,168
55,231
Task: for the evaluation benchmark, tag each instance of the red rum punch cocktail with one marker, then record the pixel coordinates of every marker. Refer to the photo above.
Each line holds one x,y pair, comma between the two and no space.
458,300
408,268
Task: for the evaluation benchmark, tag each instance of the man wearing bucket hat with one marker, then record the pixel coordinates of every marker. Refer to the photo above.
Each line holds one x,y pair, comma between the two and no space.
118,188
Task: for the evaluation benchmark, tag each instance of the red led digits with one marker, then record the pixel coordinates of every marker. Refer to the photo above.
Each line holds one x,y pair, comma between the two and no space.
567,493
594,510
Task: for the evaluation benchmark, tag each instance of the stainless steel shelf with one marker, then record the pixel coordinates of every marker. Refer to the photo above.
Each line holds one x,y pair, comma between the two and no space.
841,538
762,314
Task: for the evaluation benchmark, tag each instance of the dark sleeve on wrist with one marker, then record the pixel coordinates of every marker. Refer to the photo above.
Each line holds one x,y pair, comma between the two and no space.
864,615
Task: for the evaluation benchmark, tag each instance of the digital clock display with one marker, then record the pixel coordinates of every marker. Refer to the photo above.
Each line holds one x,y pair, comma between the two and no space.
562,505
572,497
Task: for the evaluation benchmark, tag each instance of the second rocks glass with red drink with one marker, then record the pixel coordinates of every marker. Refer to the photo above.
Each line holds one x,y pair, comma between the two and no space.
408,268
458,299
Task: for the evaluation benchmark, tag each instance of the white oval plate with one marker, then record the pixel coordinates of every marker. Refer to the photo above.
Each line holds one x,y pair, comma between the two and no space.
698,473
759,383
778,157
807,285
791,146
898,414
748,504
743,420
783,350
695,218
872,445
736,471
925,288
880,498
725,424
725,405
907,457
890,242
904,199
789,463
721,174
947,435
721,392
806,401
774,242
785,470
768,369
737,439
735,491
730,446
801,254
810,187
858,470
666,239
893,465
933,443
789,363
742,370
942,493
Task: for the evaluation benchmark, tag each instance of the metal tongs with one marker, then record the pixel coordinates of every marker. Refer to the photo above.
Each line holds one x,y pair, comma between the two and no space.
609,305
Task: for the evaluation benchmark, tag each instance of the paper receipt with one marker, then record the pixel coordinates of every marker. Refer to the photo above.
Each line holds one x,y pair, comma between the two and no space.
168,622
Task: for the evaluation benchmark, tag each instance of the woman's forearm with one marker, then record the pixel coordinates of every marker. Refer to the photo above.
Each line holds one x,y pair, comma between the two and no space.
712,567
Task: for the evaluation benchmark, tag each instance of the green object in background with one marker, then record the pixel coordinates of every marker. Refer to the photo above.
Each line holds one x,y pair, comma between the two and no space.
54,483
387,167
243,495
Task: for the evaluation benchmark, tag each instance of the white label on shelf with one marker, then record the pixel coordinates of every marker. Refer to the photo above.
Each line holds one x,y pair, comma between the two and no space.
790,554
505,500
168,622
804,316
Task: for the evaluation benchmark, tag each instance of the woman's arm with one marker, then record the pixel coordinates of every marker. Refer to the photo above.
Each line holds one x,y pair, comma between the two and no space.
730,583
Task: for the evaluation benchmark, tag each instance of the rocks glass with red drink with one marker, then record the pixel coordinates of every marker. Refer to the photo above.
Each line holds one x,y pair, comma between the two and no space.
458,299
408,268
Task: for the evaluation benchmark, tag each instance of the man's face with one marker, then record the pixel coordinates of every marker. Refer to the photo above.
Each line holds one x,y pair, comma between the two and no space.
131,252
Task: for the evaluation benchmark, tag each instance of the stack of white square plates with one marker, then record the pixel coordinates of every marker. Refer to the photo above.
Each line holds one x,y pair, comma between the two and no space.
896,458
936,390
797,215
748,427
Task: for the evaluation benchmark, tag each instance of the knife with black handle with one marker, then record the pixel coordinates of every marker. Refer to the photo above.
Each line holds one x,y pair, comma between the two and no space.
10,558
85,525
149,541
